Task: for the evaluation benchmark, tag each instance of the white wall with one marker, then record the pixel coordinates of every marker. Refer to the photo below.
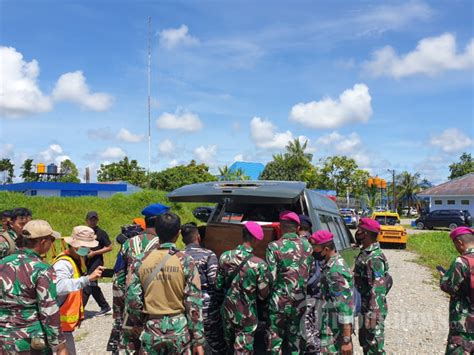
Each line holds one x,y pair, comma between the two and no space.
48,193
457,203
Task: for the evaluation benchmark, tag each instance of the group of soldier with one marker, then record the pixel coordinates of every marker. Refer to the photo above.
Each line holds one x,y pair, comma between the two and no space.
302,298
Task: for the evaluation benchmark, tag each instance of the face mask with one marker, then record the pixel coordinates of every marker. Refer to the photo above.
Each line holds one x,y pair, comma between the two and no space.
318,256
82,251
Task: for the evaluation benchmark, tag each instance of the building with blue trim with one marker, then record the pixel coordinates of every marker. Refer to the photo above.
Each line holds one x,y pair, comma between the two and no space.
252,170
66,189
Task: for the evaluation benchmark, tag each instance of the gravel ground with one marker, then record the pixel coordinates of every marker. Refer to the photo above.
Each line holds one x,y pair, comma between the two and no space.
417,322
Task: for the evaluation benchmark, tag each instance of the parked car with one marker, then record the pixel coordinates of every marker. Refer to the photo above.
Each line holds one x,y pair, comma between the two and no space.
444,219
350,217
390,229
409,211
261,201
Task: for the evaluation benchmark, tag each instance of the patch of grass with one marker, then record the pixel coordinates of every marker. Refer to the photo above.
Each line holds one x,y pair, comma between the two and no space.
433,248
63,213
408,226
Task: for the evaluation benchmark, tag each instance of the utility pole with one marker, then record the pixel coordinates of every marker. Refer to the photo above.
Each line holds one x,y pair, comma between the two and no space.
393,189
149,90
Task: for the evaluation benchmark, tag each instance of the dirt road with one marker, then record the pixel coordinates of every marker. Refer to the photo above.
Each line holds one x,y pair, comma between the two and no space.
417,322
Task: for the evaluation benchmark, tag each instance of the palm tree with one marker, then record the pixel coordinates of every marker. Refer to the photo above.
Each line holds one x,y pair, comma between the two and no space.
295,152
225,173
239,174
408,185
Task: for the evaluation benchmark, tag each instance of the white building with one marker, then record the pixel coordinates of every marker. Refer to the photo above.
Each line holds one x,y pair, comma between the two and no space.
457,194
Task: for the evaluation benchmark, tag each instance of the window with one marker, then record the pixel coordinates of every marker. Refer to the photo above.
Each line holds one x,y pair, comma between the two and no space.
464,202
438,202
451,202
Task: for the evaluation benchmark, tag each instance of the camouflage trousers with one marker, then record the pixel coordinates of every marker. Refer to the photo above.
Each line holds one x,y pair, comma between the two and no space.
460,344
284,330
372,340
130,341
312,326
167,335
239,338
213,328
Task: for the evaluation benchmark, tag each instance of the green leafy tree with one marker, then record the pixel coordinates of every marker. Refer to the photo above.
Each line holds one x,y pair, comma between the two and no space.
69,169
407,186
464,166
293,165
28,174
124,170
175,177
337,173
8,168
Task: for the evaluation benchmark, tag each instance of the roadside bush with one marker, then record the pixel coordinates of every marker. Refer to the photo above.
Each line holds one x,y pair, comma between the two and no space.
63,213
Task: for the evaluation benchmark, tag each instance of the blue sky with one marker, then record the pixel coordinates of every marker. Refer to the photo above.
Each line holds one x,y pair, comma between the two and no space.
388,83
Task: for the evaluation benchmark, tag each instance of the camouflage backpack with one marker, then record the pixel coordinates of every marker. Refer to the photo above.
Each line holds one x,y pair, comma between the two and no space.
470,262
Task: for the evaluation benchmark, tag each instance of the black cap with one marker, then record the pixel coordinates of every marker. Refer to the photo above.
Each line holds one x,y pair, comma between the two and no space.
92,214
306,220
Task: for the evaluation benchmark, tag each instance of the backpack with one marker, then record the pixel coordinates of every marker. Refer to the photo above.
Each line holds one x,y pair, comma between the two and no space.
470,262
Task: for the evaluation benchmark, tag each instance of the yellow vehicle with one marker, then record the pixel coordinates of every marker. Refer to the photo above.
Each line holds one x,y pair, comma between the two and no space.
390,229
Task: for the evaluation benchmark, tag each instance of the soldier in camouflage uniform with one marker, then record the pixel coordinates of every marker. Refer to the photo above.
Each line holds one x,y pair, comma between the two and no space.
370,275
164,296
29,314
289,260
244,279
6,219
458,283
206,263
337,305
9,240
130,250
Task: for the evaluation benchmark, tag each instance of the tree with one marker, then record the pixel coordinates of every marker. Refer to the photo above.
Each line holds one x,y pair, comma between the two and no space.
28,173
227,174
337,173
124,170
175,177
293,165
407,186
69,169
463,167
8,167
295,152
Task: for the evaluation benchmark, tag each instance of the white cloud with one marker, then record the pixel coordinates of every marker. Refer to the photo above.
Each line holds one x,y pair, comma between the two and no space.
53,154
349,145
452,140
353,105
113,153
126,136
173,163
7,151
264,135
166,148
239,157
173,37
431,56
72,87
19,91
184,121
206,154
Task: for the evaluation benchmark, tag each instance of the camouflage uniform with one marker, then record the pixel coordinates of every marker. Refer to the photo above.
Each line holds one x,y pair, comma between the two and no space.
337,303
206,263
28,307
312,320
5,246
289,261
239,309
166,334
129,251
370,271
455,282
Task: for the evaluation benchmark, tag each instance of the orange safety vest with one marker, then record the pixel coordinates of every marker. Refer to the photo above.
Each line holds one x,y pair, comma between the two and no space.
72,310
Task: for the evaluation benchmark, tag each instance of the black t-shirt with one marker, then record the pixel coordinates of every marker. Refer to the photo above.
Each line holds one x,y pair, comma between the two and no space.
104,241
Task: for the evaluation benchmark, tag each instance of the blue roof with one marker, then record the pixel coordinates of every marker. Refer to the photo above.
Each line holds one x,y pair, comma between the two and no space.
45,185
252,170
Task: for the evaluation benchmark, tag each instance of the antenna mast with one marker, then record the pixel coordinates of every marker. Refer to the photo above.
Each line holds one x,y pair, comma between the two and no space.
149,99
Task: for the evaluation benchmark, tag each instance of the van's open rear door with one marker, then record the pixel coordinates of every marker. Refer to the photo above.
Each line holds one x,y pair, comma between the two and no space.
259,192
